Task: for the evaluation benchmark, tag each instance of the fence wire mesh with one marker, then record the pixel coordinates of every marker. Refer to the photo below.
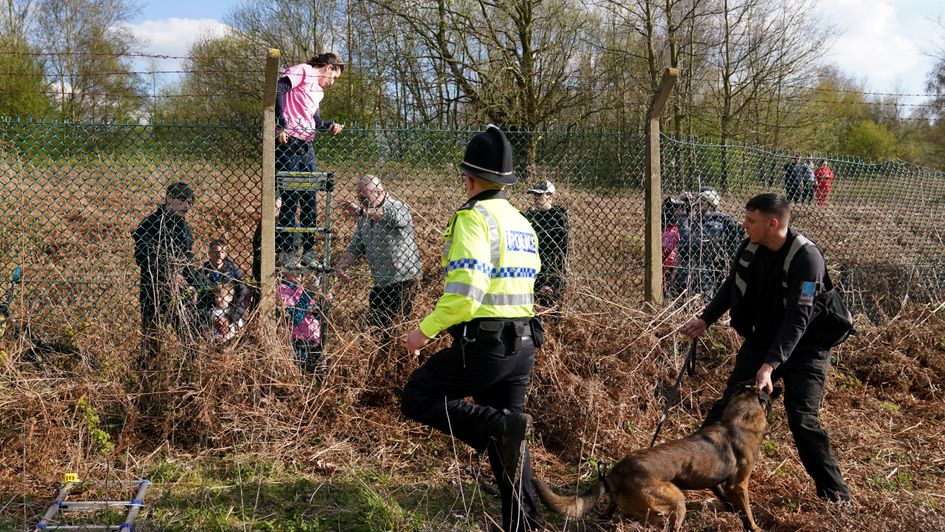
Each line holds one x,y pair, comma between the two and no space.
76,192
878,224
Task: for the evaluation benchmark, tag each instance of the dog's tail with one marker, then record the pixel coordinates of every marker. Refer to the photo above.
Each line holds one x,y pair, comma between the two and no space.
574,507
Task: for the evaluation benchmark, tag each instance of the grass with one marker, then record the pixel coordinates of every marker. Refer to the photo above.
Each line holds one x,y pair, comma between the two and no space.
230,493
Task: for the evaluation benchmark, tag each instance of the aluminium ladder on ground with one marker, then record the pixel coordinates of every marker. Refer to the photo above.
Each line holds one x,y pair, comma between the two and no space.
61,505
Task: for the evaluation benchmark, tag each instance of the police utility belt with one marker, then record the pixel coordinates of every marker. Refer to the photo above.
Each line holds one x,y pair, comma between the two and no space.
492,331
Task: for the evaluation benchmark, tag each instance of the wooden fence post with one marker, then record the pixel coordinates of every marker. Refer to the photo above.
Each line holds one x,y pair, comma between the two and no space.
267,271
653,278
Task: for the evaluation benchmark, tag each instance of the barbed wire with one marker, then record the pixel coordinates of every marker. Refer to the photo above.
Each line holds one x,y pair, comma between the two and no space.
112,54
95,94
135,73
292,60
815,100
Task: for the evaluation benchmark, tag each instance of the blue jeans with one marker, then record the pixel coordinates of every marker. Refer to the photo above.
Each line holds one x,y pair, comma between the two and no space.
296,156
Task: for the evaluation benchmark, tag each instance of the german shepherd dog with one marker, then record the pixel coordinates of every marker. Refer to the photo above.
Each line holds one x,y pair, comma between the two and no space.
648,484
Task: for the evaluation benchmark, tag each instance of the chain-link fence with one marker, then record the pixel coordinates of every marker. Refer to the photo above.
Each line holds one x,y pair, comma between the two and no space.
878,224
76,193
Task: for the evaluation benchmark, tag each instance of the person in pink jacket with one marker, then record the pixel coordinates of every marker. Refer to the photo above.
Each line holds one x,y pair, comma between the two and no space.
299,92
305,311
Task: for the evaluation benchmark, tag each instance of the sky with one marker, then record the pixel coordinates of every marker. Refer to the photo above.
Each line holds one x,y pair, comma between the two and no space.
885,44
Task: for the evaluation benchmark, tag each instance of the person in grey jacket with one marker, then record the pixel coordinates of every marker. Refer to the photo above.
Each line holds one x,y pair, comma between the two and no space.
807,180
384,237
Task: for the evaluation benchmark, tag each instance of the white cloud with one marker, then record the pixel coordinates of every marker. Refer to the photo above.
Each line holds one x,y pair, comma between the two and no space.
174,36
877,43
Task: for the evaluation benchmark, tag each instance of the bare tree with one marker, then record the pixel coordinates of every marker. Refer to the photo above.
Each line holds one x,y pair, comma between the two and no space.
511,60
16,18
300,28
89,62
762,47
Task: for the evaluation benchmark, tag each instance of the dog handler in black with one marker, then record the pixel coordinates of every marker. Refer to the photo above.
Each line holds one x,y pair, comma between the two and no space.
772,314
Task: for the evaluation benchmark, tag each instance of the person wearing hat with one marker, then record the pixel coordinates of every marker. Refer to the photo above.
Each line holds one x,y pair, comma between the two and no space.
551,226
490,259
299,92
163,251
673,210
708,240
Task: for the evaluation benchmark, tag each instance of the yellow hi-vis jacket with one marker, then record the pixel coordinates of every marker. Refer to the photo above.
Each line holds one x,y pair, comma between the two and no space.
490,259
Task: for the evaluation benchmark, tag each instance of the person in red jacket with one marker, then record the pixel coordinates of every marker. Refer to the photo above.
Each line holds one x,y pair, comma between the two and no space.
823,176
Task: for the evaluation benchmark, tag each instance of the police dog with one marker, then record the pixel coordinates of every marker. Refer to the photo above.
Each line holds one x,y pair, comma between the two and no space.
648,484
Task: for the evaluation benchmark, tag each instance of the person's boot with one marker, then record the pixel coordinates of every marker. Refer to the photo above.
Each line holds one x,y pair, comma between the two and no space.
841,494
509,432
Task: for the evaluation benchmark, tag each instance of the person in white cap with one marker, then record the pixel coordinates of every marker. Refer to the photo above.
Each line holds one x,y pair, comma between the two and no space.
708,241
551,225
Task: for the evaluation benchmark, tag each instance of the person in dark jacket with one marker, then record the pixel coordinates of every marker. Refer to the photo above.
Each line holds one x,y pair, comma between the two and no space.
793,178
163,251
551,226
219,270
708,239
772,312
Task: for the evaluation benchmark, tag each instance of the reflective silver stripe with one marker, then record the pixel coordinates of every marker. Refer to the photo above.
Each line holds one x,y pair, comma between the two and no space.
741,284
471,165
463,289
507,299
799,242
494,241
446,248
751,248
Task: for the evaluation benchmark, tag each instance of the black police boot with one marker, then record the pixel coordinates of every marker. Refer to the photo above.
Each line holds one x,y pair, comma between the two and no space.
834,495
509,432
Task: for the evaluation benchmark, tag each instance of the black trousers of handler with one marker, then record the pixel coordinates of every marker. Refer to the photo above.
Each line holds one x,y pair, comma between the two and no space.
803,374
496,376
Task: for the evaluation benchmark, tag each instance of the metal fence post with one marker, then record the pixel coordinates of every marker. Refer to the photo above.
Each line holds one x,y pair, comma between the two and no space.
653,277
267,271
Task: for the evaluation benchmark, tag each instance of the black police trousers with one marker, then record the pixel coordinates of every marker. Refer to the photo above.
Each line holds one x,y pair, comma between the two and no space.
803,374
496,375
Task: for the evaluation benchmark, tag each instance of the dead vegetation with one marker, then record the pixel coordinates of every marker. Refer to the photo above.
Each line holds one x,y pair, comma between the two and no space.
597,392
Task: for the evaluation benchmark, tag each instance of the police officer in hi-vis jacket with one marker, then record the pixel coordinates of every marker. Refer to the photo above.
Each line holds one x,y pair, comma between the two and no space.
490,260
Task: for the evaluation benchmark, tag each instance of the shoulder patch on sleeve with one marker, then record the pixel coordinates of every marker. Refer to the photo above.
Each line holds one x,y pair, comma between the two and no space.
808,291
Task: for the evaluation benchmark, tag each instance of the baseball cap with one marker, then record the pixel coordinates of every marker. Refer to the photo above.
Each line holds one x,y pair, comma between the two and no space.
543,187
